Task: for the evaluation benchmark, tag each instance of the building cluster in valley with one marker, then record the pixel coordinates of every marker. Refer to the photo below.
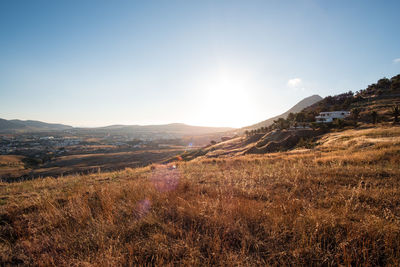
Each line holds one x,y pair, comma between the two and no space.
31,144
48,146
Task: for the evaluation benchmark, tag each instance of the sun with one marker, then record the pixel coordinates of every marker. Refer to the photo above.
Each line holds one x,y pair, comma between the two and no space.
226,98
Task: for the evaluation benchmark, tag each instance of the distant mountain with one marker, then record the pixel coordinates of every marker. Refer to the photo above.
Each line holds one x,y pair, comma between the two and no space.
167,130
177,129
306,102
30,126
170,130
8,125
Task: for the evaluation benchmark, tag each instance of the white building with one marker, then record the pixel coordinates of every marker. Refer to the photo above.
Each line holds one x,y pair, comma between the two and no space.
331,115
46,138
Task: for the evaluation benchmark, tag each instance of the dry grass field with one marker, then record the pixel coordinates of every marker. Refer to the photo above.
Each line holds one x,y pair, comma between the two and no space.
337,204
13,168
11,164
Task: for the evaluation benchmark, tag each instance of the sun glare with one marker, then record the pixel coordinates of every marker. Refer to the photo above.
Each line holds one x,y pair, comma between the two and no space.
227,99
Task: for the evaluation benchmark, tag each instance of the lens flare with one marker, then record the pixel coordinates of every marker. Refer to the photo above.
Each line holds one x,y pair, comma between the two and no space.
142,208
165,179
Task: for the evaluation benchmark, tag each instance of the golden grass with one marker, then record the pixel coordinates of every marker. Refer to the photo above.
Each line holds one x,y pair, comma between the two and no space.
4,159
11,164
87,163
335,205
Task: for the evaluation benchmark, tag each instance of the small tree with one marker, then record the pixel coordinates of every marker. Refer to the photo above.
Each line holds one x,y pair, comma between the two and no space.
300,117
281,124
212,142
355,112
291,117
384,84
374,117
396,113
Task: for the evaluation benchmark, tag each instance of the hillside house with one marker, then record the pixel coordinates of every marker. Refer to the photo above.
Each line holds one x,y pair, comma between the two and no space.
329,116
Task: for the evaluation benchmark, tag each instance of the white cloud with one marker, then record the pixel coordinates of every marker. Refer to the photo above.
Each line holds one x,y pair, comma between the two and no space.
294,83
396,60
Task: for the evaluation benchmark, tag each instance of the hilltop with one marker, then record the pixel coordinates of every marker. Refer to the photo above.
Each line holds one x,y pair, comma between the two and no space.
306,102
172,130
10,126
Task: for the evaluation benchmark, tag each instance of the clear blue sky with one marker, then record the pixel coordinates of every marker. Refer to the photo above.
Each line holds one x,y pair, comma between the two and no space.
216,63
